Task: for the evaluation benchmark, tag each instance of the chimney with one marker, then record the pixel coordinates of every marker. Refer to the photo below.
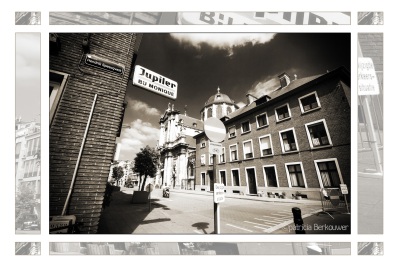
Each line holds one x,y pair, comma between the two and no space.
284,79
250,98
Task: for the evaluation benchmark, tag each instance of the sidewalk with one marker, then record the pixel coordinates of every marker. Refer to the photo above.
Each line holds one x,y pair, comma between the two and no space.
126,218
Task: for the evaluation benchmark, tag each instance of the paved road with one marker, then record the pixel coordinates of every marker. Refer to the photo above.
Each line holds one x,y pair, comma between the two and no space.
193,214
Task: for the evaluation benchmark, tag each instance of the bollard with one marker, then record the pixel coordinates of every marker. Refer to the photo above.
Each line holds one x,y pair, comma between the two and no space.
298,221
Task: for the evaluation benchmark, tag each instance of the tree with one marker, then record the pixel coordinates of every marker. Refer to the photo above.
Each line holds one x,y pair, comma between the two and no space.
146,163
118,172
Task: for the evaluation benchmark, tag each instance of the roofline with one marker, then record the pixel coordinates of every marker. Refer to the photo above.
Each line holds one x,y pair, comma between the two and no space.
341,71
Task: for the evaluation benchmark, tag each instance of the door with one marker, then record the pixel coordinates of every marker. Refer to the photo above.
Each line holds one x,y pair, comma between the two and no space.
251,178
210,180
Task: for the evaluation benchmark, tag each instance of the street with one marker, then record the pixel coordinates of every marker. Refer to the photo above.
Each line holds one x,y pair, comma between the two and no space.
191,213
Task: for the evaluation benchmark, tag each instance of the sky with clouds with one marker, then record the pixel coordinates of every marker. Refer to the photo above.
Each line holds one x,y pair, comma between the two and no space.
237,63
27,76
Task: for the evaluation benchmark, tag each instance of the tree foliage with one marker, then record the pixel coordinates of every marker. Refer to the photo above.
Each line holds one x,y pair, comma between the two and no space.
118,172
146,163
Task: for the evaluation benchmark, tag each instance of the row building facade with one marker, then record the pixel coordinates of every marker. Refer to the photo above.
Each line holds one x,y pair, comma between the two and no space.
292,141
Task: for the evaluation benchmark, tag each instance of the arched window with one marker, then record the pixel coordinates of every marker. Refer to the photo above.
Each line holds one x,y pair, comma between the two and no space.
209,112
228,110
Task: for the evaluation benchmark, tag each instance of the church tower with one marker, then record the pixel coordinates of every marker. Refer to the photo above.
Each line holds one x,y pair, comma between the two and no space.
218,106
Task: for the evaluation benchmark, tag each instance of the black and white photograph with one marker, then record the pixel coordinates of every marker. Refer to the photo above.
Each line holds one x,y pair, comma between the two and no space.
203,133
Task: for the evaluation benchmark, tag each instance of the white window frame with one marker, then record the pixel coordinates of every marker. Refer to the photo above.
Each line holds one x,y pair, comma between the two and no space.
203,162
229,135
309,135
321,185
302,171
247,178
230,153
295,140
305,96
284,119
238,170
270,141
251,147
210,158
220,177
265,175
203,143
241,127
201,178
266,117
55,99
223,153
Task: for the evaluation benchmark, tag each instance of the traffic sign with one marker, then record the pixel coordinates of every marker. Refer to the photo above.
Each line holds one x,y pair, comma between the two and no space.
215,129
343,189
215,148
219,193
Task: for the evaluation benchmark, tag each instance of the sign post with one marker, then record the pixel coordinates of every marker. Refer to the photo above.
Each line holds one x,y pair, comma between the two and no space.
149,188
215,131
345,191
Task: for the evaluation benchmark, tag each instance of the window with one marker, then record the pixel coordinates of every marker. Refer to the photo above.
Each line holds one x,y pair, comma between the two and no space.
222,156
30,168
222,176
233,152
309,102
328,173
245,127
203,178
262,120
318,135
295,174
266,146
228,110
288,140
270,176
191,170
211,159
235,177
209,112
203,159
57,84
17,150
248,149
232,131
282,113
203,142
33,146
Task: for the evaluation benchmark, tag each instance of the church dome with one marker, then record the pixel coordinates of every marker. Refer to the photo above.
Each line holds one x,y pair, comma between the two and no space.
219,98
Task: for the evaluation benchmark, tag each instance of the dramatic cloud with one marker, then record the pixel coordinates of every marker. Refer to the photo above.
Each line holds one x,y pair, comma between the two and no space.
138,136
264,87
142,107
223,40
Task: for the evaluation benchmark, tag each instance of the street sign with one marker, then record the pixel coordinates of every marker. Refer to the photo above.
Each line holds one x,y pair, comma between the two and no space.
149,187
215,130
343,189
367,80
154,82
215,148
219,193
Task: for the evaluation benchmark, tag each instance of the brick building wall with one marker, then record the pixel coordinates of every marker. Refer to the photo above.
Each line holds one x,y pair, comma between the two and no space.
71,117
334,109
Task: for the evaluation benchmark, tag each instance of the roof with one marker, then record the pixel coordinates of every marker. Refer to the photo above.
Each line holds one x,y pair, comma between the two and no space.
219,98
293,86
189,121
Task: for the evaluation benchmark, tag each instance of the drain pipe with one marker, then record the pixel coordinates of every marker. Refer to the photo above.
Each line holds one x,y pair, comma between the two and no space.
79,158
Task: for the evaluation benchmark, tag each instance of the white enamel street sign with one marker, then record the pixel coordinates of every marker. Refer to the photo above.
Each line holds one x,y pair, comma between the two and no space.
214,148
155,82
219,193
367,80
